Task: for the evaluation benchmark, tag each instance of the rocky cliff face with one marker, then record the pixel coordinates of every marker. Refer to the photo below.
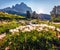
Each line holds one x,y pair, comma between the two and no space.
17,9
56,10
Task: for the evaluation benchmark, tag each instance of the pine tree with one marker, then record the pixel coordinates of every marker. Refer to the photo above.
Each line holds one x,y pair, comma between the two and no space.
28,14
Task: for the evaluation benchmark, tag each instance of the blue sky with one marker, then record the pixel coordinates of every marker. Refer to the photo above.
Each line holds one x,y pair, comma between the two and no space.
40,6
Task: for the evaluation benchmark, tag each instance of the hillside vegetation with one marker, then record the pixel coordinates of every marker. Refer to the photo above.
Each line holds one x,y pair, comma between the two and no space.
55,19
33,40
6,16
27,34
8,21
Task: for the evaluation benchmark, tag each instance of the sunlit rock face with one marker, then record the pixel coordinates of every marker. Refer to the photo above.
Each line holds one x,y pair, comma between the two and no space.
56,10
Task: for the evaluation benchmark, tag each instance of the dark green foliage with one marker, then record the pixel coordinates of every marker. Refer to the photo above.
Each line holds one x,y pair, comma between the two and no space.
33,40
55,18
7,26
28,15
34,15
6,16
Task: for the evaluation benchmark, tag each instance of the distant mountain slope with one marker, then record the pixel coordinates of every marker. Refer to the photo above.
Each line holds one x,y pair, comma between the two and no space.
19,9
44,16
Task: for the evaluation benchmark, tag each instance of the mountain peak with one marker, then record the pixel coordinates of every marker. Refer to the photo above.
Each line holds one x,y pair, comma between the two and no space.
22,3
18,8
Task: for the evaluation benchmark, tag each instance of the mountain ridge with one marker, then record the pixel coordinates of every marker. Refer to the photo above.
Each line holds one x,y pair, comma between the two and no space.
17,9
20,9
44,16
